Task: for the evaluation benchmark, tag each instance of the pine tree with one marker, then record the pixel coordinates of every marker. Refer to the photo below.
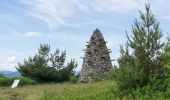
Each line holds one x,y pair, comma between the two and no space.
144,65
166,56
46,66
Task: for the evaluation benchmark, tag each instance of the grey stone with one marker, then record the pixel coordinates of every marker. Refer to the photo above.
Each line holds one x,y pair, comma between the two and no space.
97,62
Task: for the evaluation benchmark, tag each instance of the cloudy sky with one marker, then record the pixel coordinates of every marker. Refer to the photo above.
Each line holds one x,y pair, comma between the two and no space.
68,25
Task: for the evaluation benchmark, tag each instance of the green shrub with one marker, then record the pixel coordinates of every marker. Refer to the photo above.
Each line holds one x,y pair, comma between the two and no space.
26,81
2,75
73,79
144,93
47,67
5,81
140,62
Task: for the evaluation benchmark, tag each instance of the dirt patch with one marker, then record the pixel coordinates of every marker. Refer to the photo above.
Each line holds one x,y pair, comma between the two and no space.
14,97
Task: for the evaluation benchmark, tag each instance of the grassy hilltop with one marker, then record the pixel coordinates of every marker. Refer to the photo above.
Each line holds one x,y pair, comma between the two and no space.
63,91
143,71
68,91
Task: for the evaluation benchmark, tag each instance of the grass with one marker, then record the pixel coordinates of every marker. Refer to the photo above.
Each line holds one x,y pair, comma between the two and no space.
67,91
60,91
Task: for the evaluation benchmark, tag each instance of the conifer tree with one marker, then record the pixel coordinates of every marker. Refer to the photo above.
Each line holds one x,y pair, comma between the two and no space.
46,66
166,56
144,65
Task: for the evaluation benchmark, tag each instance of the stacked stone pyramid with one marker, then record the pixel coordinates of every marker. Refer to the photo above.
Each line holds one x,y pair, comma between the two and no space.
97,62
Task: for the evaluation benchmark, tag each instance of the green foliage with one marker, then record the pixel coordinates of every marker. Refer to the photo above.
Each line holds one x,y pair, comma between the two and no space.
2,75
166,55
166,58
74,79
140,62
5,81
144,93
26,81
46,66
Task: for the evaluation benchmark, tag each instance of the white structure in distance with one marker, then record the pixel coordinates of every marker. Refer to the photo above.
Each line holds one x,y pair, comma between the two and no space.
15,83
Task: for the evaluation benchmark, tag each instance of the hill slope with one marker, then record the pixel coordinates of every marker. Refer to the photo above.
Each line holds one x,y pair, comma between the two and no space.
63,91
10,73
67,91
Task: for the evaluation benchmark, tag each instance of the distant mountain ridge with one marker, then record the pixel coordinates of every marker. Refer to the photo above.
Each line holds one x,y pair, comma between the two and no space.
17,74
11,73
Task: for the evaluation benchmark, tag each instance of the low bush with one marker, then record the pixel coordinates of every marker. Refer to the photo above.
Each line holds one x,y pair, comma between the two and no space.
26,81
2,75
74,79
145,93
5,81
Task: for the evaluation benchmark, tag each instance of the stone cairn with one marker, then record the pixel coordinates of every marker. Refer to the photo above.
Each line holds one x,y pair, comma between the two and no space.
97,62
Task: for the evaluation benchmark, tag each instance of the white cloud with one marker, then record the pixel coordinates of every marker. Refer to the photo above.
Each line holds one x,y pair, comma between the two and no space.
7,67
33,34
56,13
7,62
11,59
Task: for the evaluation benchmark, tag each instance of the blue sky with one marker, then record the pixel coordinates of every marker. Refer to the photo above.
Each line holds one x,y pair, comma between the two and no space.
68,25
